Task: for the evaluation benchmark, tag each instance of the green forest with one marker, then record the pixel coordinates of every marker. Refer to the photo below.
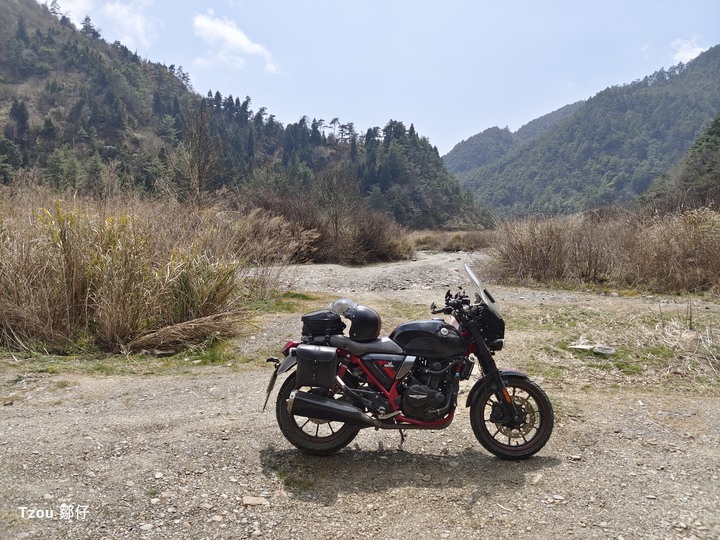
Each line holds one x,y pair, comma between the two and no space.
90,117
605,151
82,114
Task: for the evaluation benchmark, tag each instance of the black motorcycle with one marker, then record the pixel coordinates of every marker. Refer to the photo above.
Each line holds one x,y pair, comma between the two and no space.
408,380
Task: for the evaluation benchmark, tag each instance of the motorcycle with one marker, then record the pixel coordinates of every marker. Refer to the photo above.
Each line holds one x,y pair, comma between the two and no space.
407,380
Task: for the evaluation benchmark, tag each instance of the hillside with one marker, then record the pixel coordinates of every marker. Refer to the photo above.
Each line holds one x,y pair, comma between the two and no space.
82,114
69,97
610,149
493,143
695,181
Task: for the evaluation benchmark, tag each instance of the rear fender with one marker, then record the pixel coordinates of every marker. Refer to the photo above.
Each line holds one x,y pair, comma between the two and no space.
486,381
289,361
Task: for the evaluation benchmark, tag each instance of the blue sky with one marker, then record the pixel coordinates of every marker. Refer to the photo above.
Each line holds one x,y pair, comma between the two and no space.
451,68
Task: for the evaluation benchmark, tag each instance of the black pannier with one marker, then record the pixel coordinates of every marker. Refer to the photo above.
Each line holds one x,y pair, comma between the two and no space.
316,366
320,324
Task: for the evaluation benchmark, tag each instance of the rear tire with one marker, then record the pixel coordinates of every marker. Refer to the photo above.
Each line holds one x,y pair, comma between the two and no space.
507,441
312,436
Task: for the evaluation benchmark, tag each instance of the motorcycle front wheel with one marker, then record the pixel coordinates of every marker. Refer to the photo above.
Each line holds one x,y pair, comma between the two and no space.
513,440
312,436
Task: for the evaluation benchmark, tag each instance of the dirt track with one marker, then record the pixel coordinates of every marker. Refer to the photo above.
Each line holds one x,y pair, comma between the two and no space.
192,456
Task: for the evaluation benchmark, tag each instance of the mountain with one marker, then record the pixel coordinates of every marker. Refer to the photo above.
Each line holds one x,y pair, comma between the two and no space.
68,96
79,113
493,143
695,181
609,150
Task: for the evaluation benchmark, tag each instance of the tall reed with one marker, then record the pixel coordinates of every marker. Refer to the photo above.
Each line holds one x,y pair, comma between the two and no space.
677,252
125,273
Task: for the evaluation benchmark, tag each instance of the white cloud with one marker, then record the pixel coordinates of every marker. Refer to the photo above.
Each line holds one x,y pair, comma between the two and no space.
131,23
686,49
233,45
220,58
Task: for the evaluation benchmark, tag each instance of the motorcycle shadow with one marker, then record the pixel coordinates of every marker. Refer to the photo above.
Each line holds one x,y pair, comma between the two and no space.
322,478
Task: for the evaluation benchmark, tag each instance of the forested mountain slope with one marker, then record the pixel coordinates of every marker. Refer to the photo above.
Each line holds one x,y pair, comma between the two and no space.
695,181
494,143
83,114
610,149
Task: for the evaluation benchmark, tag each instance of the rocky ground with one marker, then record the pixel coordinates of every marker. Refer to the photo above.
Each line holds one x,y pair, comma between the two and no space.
192,455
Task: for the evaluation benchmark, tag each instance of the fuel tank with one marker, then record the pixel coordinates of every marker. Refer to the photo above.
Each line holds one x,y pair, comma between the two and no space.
431,339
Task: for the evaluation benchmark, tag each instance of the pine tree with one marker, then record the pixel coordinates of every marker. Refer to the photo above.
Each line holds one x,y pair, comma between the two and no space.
19,113
21,32
88,28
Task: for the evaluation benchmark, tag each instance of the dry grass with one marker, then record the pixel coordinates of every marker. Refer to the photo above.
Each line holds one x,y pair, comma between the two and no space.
667,341
669,253
451,241
345,233
125,273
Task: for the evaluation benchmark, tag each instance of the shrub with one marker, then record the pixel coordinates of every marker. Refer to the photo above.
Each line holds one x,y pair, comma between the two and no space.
358,237
674,252
472,240
125,273
533,249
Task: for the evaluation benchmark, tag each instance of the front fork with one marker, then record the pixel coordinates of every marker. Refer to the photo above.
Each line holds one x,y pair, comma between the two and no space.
493,377
511,415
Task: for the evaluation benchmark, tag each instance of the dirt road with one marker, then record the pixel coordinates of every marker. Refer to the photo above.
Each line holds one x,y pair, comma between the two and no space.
192,455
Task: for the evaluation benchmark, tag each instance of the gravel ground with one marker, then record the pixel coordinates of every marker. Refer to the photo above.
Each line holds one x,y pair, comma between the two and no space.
193,456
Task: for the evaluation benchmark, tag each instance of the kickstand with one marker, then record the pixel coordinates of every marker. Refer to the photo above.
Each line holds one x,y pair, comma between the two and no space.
402,438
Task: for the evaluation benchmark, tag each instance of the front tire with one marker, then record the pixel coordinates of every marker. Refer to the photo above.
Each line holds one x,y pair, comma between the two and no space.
312,436
505,439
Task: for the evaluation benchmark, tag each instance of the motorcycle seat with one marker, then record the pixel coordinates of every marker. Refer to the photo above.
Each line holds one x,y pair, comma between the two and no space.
358,348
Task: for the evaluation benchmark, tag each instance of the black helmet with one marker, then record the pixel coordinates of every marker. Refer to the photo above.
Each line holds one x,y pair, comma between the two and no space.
365,323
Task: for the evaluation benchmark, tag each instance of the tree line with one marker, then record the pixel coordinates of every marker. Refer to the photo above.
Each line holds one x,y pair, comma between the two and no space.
98,118
609,150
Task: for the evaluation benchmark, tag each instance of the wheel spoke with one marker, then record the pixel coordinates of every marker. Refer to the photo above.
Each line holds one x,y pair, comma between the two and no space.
508,438
313,435
518,435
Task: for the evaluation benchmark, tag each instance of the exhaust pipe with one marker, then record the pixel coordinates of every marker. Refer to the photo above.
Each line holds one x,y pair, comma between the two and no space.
323,408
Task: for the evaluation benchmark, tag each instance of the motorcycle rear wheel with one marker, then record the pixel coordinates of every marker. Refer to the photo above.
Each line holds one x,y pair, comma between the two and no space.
312,436
509,441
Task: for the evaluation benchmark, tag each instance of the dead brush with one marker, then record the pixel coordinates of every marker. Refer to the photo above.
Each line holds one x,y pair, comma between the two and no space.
534,249
451,241
695,352
675,252
668,253
123,273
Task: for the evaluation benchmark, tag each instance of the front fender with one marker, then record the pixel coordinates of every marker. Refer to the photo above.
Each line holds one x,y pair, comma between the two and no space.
480,385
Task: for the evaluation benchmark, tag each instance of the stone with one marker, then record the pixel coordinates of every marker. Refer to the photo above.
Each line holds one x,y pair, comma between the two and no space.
247,500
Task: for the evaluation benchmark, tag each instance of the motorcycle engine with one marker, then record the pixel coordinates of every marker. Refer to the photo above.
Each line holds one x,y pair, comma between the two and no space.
426,394
420,400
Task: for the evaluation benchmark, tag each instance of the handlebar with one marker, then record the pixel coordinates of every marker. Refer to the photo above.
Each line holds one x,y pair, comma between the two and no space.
452,303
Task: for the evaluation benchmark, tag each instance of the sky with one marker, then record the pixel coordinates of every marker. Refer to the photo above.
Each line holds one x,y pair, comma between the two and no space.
452,68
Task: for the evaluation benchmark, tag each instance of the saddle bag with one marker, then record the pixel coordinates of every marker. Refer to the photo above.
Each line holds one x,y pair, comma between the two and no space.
316,366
